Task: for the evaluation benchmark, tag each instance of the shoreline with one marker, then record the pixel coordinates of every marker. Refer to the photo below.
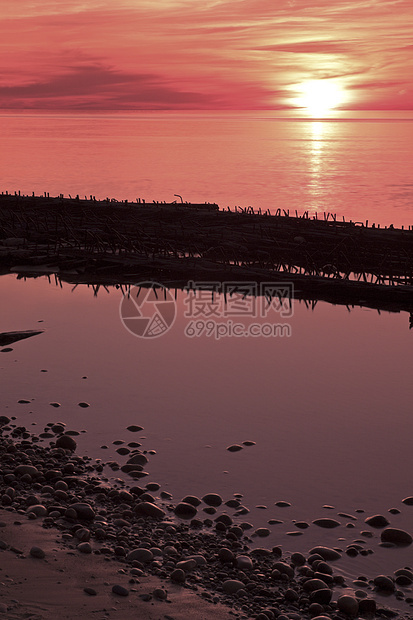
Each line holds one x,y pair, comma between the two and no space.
137,537
106,241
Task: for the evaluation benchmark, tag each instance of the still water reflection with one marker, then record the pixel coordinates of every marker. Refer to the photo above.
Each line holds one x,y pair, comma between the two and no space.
328,408
358,168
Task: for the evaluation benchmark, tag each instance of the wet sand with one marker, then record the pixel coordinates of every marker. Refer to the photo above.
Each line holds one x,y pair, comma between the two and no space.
53,587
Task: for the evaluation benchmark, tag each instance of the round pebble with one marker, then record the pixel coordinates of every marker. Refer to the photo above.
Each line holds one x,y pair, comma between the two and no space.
212,499
37,552
377,521
326,523
396,536
185,511
66,442
348,605
231,586
120,590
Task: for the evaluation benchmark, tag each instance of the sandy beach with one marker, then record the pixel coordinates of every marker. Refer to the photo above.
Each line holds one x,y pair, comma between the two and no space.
43,589
73,546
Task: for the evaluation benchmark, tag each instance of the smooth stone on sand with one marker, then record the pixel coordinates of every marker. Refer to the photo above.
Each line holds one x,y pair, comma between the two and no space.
377,521
178,575
225,519
123,451
185,511
192,499
326,553
404,571
149,510
212,499
120,590
403,580
244,562
131,469
311,585
83,534
282,504
262,532
134,428
83,511
198,559
326,523
66,442
286,569
38,509
322,596
37,552
234,448
140,554
348,605
233,503
231,586
21,470
396,536
382,582
186,565
408,501
298,559
160,594
84,405
225,555
137,459
84,547
57,428
152,486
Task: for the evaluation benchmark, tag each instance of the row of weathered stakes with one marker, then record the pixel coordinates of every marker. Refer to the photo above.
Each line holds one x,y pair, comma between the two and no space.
179,240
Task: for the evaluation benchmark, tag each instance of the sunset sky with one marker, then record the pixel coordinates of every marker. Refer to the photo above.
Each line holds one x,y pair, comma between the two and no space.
204,54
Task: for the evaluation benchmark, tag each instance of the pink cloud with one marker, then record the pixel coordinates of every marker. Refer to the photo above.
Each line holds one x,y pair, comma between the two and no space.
221,54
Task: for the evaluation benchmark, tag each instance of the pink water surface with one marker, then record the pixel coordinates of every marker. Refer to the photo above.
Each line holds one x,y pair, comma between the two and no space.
359,168
329,408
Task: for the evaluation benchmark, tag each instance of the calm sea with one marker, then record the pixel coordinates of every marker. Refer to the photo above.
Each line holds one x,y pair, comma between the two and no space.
329,408
360,168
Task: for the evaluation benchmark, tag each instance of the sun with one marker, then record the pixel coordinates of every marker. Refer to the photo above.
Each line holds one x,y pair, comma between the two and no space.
319,97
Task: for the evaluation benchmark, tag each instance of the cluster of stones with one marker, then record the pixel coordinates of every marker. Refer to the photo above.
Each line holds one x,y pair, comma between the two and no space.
210,556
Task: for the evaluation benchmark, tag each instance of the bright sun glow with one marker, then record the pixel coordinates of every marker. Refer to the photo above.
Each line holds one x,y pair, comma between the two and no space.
320,97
